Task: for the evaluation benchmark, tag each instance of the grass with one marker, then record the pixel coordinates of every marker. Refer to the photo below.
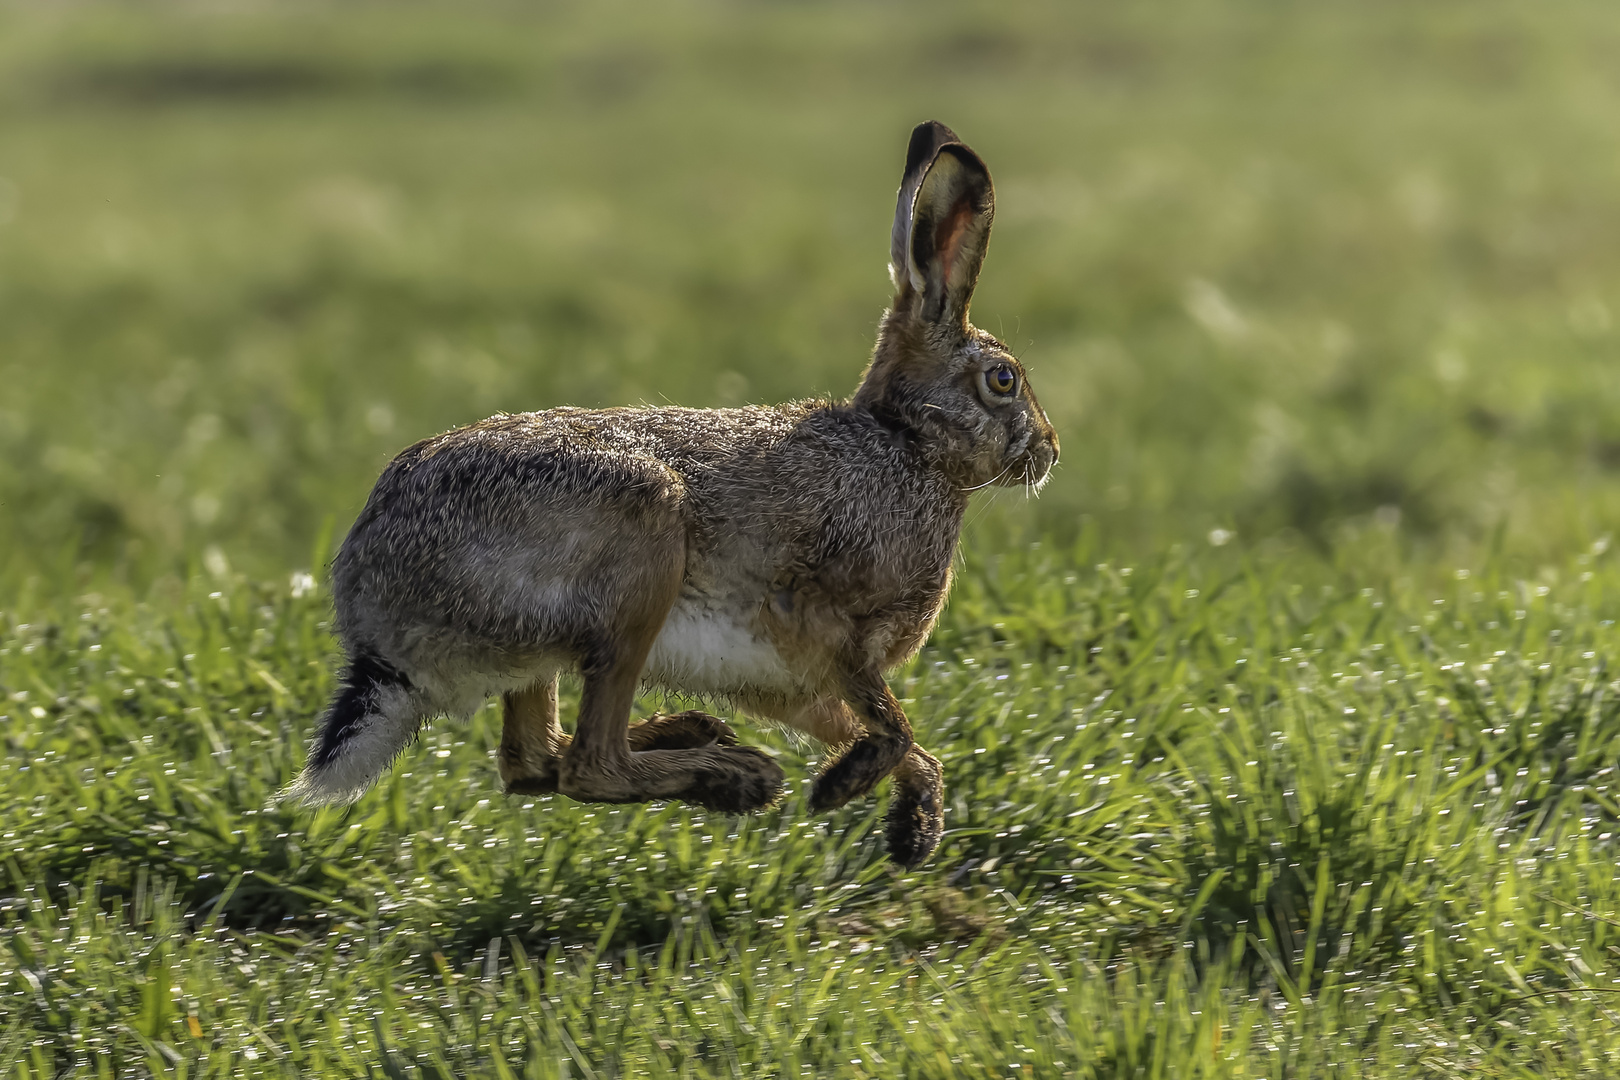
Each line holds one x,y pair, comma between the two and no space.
1272,268
1205,819
1280,733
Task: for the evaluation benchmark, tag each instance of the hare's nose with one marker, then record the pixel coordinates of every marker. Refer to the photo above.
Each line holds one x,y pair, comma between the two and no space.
1052,439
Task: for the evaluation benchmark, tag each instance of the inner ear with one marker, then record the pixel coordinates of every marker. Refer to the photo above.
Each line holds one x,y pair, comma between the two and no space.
950,233
923,148
950,230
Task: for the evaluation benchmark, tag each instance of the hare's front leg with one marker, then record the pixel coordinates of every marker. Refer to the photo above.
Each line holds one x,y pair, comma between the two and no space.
880,745
878,736
916,808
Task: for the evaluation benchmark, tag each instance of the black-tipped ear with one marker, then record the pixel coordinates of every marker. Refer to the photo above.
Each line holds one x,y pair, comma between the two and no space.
950,230
926,139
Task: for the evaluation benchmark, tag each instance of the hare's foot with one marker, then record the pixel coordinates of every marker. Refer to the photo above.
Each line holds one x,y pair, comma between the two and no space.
882,745
730,779
531,740
538,773
916,808
855,774
689,730
740,780
601,764
544,783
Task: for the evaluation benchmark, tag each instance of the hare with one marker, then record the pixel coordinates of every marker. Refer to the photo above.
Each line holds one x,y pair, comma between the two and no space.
781,558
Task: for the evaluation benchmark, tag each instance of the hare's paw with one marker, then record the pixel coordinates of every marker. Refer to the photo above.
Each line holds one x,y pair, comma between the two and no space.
737,780
689,730
530,767
915,825
541,782
916,809
869,760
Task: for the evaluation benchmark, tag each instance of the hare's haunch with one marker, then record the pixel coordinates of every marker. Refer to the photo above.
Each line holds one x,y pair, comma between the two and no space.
778,557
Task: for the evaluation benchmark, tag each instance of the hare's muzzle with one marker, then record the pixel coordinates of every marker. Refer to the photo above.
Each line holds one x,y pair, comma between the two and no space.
1040,456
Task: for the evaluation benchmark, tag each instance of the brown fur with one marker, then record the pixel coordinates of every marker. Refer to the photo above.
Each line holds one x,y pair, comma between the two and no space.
533,742
783,557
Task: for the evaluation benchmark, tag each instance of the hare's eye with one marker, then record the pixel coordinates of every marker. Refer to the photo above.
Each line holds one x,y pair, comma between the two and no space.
1001,379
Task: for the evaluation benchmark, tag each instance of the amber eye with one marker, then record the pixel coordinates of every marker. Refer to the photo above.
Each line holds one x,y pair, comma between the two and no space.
1001,379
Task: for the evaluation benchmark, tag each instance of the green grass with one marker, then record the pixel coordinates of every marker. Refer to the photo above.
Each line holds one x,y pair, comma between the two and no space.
1272,267
1328,792
1206,819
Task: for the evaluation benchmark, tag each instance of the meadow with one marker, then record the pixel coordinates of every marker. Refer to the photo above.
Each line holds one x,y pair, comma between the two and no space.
1279,733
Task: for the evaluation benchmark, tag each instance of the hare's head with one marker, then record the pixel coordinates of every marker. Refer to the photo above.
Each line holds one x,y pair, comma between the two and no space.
955,389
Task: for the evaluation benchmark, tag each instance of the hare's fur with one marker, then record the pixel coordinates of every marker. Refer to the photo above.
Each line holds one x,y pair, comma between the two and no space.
780,557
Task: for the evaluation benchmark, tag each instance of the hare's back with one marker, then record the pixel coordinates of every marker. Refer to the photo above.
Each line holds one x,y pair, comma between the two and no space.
496,533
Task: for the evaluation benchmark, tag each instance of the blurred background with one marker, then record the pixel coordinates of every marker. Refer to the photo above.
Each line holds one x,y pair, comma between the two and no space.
1288,273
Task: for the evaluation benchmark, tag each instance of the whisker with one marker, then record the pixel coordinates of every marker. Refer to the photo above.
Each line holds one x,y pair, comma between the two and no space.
990,481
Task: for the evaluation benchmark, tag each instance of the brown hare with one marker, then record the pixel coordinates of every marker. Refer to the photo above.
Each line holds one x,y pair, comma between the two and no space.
778,557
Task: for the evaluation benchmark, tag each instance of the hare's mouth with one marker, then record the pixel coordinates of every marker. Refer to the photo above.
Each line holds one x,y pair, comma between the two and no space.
1035,469
1024,472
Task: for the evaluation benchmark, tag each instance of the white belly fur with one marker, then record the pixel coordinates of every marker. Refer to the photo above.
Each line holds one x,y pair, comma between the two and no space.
714,649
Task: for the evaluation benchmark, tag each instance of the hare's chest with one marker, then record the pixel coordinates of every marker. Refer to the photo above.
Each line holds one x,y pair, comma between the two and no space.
714,646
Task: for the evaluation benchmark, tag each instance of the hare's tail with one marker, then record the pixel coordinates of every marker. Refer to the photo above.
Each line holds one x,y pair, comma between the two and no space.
373,716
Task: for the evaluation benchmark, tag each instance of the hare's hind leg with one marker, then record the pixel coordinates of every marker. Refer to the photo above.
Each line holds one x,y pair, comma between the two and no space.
681,731
532,742
601,764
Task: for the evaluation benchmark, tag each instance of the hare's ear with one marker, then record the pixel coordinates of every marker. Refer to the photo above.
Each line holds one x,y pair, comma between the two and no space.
941,226
926,139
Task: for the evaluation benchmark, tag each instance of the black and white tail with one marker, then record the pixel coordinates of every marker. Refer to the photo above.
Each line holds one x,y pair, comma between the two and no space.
373,716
